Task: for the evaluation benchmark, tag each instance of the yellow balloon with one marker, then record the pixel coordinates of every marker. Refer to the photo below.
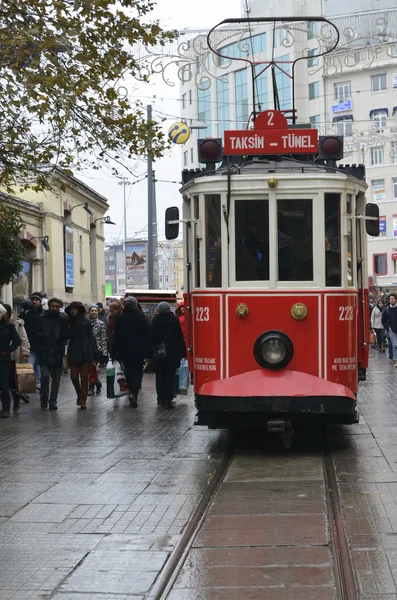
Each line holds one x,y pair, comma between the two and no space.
179,133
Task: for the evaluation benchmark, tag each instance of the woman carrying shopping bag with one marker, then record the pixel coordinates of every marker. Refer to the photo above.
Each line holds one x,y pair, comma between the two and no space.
100,335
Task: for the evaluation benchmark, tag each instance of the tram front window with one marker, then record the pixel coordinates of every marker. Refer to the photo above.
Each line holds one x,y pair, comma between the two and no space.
213,240
332,241
295,240
252,240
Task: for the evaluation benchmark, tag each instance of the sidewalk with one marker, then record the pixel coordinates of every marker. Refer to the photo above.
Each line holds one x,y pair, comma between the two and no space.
92,502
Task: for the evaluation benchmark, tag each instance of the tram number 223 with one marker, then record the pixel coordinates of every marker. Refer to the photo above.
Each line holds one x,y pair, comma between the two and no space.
202,313
345,313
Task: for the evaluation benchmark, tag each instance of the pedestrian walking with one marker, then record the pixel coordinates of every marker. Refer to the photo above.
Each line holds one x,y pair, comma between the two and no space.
54,333
102,313
389,322
82,350
180,313
31,319
166,348
131,332
19,356
100,335
115,309
25,306
376,324
9,341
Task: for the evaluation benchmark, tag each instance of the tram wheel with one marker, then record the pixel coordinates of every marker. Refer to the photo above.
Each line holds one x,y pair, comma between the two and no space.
288,435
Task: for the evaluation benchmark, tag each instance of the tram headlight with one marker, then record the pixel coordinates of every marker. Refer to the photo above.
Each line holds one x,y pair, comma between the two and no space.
273,350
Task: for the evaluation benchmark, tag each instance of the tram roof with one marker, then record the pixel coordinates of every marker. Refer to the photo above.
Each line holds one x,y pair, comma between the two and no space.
282,166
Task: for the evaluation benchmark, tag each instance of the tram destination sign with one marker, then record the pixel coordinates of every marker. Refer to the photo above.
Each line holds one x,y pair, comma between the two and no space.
271,141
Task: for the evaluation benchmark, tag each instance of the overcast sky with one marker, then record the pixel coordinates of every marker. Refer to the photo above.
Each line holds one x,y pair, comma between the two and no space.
176,14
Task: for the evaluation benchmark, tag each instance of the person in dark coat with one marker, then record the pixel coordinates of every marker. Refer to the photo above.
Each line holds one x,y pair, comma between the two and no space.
9,341
166,347
54,333
31,319
131,332
103,314
25,306
82,350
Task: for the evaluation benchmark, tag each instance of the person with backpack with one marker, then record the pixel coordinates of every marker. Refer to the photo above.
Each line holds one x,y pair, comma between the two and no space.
389,322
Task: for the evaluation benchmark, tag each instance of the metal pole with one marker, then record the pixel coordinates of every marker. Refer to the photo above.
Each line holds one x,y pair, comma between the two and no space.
150,189
155,238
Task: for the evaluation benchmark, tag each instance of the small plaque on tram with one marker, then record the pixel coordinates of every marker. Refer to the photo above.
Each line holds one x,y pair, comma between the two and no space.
271,135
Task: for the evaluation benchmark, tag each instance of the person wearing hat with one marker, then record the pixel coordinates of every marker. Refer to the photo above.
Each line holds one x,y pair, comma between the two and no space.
9,342
131,332
82,350
54,333
102,313
32,326
166,349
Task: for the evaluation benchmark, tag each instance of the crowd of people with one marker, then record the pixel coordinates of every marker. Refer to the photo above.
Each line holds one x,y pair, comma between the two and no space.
56,340
383,316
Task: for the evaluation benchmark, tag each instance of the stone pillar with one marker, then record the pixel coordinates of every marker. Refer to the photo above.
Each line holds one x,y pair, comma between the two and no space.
37,279
6,294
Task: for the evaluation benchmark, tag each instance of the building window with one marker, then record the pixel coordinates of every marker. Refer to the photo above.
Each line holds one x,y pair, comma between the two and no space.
261,89
186,74
394,182
241,90
378,82
223,104
377,156
343,91
185,158
379,118
382,226
204,108
81,251
314,90
378,190
380,264
191,155
315,120
190,96
313,60
343,125
284,82
184,100
312,28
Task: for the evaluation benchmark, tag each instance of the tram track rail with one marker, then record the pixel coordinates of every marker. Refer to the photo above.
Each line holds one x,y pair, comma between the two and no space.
168,576
343,568
345,581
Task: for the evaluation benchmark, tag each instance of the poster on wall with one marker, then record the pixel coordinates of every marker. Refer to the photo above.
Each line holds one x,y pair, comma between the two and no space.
394,225
21,283
69,257
378,190
382,224
136,263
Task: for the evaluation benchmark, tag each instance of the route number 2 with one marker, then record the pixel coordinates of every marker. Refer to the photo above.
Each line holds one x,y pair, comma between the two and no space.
345,313
202,313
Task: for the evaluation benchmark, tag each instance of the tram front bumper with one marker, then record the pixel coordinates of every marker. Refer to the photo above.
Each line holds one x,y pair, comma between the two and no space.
268,393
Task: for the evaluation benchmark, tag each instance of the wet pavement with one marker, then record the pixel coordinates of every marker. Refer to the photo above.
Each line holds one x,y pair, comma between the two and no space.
93,502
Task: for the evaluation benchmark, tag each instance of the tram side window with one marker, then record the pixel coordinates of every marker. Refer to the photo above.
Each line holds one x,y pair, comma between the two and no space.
252,240
332,241
213,241
295,240
197,240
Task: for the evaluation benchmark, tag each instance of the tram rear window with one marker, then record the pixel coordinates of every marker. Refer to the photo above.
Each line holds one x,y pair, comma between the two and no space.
252,240
332,241
213,240
295,240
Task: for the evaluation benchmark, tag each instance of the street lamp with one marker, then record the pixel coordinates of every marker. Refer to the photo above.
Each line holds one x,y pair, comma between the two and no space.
45,240
124,182
85,206
106,220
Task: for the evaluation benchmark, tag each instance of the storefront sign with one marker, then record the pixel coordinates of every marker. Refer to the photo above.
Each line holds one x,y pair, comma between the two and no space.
279,141
382,224
394,225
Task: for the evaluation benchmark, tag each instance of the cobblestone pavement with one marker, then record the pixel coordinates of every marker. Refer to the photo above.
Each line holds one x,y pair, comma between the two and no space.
92,502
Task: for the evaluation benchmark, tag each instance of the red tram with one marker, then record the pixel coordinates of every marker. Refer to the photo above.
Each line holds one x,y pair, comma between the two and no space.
276,279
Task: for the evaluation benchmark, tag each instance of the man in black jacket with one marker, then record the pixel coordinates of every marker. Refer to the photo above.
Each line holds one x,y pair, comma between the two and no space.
131,332
389,322
32,318
53,332
9,341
